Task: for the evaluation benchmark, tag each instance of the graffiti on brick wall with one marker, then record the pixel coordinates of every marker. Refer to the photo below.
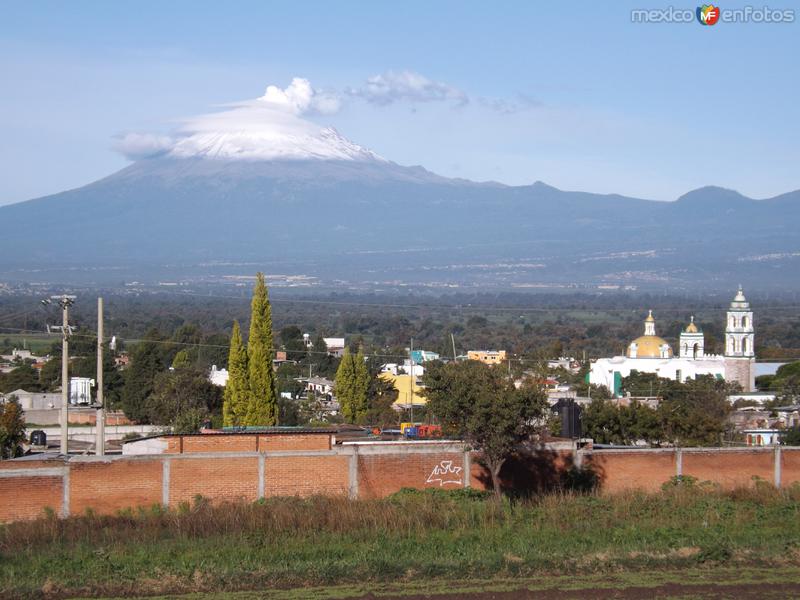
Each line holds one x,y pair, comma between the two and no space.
444,473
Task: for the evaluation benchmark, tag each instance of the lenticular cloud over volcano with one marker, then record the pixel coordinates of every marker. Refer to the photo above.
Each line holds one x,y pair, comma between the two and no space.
270,127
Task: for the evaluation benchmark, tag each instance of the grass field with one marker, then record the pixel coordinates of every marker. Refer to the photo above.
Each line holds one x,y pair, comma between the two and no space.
417,543
38,343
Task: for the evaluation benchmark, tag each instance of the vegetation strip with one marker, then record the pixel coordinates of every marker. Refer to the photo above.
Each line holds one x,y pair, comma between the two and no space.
412,537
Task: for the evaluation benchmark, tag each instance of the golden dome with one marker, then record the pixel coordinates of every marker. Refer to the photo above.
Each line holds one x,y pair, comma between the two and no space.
691,327
649,346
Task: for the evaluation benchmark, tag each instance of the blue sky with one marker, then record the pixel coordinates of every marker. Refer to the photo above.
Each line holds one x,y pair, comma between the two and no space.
573,94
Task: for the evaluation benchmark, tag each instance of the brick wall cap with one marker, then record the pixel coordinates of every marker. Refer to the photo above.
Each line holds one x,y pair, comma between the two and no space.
48,456
264,431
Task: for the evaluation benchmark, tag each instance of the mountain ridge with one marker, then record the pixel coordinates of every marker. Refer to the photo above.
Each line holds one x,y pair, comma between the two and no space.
199,209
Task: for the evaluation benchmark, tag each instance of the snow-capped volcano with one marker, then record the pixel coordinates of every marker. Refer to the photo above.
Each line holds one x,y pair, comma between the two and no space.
306,141
267,128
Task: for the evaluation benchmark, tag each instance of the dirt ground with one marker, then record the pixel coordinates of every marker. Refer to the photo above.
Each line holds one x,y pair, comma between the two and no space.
673,591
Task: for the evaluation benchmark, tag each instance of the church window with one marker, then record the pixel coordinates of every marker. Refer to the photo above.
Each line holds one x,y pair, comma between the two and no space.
744,344
695,350
744,321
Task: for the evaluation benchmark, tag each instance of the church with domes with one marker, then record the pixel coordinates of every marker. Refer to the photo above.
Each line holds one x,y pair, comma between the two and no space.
650,353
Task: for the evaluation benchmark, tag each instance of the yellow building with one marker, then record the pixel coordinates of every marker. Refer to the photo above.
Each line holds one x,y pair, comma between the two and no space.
409,391
488,357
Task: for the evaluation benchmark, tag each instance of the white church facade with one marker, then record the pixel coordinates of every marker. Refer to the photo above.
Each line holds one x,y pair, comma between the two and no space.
650,353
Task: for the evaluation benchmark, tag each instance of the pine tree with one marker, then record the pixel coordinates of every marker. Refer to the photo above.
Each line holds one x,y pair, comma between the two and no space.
263,405
345,386
237,390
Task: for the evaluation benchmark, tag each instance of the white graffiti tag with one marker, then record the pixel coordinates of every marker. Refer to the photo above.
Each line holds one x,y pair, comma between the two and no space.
445,473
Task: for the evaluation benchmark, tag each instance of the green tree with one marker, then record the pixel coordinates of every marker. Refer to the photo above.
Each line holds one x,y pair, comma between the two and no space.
791,437
482,406
352,386
182,399
24,377
147,361
12,428
345,385
381,395
182,360
263,404
237,390
360,400
292,340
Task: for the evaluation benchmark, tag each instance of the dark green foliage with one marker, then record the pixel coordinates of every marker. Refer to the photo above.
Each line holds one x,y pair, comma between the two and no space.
12,428
23,377
381,395
693,413
791,437
182,399
292,342
480,404
148,359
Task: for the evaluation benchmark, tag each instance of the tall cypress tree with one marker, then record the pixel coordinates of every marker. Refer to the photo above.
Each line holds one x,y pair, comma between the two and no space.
352,386
360,387
237,390
345,386
263,405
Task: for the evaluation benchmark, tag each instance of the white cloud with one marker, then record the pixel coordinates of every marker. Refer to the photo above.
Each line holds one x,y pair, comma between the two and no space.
409,86
299,98
142,145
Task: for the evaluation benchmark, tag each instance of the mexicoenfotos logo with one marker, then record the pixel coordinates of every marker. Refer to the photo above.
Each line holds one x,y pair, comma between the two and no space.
708,14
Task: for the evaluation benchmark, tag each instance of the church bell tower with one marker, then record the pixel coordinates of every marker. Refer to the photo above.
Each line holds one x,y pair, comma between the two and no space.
739,343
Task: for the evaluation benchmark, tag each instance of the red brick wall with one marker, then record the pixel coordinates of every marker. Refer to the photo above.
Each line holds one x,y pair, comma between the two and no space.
305,475
790,467
26,497
627,470
383,474
307,441
648,470
110,485
221,478
211,443
730,470
247,442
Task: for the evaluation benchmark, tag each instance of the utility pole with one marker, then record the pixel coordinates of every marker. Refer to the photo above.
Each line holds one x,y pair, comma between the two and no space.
411,379
453,340
100,421
64,302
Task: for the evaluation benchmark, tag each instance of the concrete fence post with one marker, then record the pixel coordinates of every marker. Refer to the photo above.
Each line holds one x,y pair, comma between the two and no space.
65,491
678,462
776,458
261,475
467,469
165,466
352,472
